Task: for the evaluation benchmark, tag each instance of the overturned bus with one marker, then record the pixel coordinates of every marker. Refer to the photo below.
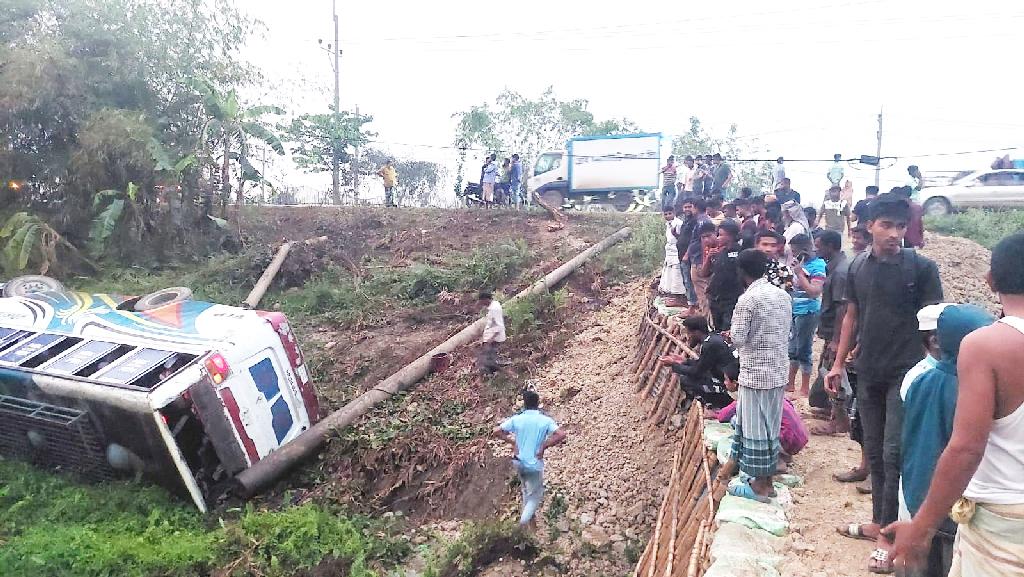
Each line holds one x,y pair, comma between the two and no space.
181,392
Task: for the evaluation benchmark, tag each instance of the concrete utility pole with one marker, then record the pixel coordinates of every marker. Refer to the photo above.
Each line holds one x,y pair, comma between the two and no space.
355,167
335,168
878,151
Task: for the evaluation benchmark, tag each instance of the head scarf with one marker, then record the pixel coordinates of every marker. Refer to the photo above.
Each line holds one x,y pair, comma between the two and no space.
796,213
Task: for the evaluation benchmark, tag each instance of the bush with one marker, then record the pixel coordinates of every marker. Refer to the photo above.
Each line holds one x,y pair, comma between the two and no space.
640,255
532,311
479,544
50,525
986,227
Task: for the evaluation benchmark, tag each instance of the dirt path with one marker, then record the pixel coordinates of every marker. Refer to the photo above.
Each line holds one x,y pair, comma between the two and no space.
612,472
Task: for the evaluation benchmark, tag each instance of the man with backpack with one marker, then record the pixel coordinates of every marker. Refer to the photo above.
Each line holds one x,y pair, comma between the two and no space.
886,287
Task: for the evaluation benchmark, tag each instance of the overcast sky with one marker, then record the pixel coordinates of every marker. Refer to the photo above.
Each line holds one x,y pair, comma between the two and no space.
800,78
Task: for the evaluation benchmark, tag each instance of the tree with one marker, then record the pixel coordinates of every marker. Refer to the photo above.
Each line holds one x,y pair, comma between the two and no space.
95,94
316,139
229,128
517,124
698,141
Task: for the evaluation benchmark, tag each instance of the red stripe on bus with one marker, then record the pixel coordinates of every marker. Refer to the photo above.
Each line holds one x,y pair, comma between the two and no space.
232,406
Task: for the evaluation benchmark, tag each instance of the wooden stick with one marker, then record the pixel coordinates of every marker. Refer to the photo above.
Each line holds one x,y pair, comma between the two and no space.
692,570
678,342
661,516
672,537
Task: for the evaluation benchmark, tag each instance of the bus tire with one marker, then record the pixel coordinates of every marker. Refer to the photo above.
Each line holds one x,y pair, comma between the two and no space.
26,285
162,298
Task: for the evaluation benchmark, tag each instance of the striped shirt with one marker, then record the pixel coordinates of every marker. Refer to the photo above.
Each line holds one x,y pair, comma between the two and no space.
760,330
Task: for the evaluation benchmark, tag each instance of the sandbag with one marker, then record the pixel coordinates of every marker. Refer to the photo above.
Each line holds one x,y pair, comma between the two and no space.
749,513
735,541
741,567
715,432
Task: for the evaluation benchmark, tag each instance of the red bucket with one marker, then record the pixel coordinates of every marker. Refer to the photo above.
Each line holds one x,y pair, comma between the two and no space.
440,362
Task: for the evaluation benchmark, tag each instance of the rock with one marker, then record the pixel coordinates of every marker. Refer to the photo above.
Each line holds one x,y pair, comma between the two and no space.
330,345
595,537
676,422
419,539
562,525
569,392
802,546
615,538
619,548
586,519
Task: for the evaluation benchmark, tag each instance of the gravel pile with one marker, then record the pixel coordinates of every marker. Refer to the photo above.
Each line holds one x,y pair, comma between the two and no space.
962,266
614,469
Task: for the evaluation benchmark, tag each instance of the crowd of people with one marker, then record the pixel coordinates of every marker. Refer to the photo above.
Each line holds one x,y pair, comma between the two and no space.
759,278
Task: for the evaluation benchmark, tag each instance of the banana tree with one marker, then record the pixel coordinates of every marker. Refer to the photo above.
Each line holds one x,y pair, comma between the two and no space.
229,127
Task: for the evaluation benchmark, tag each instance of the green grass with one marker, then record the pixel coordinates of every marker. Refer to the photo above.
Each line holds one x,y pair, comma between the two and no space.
335,293
986,227
640,255
532,311
50,525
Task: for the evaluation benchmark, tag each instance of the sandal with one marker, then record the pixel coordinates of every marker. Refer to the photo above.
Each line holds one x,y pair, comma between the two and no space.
745,491
880,562
853,531
864,488
851,476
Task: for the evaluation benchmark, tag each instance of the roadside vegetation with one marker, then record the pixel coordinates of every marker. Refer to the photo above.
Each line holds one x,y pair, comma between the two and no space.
986,227
50,525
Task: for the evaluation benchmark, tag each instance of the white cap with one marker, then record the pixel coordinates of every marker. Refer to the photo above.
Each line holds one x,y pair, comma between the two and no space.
928,317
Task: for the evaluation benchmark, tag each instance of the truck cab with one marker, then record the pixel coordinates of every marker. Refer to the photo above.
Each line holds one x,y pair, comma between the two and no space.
181,392
616,172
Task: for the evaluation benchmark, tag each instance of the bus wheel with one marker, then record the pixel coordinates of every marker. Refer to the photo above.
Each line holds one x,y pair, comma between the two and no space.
162,298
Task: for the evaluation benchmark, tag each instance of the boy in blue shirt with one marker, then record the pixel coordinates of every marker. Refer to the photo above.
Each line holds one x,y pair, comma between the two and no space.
929,403
530,433
808,283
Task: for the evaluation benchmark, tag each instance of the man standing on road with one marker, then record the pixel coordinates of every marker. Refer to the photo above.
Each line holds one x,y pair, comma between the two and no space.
980,475
760,330
515,186
530,433
722,174
835,211
785,193
778,173
390,178
668,184
886,287
489,177
835,174
915,182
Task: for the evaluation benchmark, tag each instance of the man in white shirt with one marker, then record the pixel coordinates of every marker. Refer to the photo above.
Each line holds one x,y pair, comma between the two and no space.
494,334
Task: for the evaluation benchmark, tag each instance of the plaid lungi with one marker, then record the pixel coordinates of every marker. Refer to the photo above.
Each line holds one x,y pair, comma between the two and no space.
755,442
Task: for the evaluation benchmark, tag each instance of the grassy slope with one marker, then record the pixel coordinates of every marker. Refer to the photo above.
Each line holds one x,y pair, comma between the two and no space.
49,525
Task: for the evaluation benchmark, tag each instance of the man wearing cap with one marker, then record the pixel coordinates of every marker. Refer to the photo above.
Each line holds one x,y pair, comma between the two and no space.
929,393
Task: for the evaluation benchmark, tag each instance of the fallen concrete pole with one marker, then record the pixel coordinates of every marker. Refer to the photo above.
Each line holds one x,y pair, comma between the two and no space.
257,292
272,467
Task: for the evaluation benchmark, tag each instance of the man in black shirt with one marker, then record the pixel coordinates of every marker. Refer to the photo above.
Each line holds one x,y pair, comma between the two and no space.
785,193
703,378
886,286
725,286
860,210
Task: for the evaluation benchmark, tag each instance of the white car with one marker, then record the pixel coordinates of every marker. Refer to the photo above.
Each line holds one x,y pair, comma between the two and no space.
1003,188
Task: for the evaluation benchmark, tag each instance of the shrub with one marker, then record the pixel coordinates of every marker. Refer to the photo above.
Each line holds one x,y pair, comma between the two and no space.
986,227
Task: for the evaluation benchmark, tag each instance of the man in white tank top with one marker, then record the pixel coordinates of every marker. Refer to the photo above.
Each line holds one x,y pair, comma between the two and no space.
980,475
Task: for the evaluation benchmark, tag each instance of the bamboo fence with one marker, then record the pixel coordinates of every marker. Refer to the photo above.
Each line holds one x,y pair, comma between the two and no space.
682,533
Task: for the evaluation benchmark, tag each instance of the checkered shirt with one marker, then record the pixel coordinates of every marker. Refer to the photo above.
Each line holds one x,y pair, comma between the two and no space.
760,330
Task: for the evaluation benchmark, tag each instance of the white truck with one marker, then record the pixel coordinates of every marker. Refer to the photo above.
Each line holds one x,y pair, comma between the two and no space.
599,171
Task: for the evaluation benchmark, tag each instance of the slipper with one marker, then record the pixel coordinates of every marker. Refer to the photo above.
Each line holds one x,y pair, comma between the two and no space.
853,532
880,562
865,488
828,430
747,492
851,476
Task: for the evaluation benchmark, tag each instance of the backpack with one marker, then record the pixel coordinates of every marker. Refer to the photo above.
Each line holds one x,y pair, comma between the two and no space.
908,270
